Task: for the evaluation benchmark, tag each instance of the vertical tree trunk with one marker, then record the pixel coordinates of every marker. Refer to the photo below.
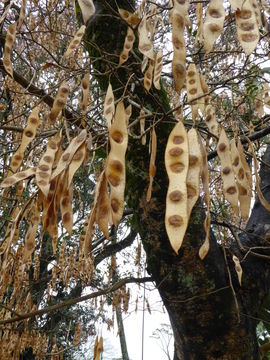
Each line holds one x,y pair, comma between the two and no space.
212,316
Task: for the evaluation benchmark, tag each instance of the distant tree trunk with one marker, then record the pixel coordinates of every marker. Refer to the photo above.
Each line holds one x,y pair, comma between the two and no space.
208,320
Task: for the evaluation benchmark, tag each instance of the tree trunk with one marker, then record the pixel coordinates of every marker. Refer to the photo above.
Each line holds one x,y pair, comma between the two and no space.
212,317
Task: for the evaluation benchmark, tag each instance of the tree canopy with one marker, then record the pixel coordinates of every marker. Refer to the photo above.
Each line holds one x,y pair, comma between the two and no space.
134,149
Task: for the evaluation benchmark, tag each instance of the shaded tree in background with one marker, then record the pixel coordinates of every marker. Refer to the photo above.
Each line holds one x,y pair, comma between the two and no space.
47,259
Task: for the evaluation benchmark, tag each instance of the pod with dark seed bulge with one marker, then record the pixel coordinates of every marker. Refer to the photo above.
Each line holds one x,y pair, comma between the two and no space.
214,21
152,165
195,164
247,27
75,41
59,102
128,45
115,165
194,91
176,201
68,154
109,108
229,185
239,164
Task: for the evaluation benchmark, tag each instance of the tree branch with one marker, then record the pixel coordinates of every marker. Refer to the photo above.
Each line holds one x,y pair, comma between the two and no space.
76,300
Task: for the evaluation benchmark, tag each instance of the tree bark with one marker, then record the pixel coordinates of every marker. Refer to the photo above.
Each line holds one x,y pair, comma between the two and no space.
212,317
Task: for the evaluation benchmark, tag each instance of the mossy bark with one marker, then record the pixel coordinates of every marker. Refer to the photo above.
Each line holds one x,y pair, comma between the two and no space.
197,294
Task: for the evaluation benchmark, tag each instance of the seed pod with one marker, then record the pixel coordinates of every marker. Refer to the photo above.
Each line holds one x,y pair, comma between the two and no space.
10,39
68,154
29,134
75,41
22,175
87,8
128,45
199,16
65,194
211,121
194,90
30,236
152,166
148,76
44,169
205,101
262,199
244,191
103,206
77,335
131,19
179,47
85,93
195,164
142,127
247,27
267,96
8,6
203,251
212,28
157,70
176,162
238,268
22,14
76,162
109,108
145,44
115,165
59,102
229,186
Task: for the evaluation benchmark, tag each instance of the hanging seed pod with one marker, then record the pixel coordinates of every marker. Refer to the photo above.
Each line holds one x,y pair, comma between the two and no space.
194,90
212,28
75,41
247,27
130,18
238,268
152,166
109,108
76,162
244,192
59,102
205,101
10,39
85,93
229,186
87,8
68,154
77,335
128,45
211,121
145,44
203,251
199,16
262,199
115,165
30,236
179,47
22,14
157,70
65,194
195,164
148,76
176,162
12,180
142,127
44,169
103,206
29,134
267,96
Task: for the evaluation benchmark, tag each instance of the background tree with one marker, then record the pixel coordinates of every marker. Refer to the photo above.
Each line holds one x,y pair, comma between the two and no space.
47,262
